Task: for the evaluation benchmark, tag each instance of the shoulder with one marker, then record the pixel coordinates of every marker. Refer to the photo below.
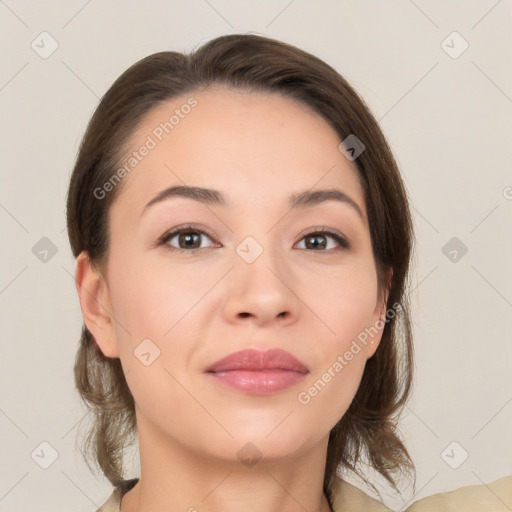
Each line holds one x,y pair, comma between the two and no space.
492,497
349,498
113,503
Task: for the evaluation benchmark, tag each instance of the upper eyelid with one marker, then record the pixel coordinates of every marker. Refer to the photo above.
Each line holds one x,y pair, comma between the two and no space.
175,231
314,230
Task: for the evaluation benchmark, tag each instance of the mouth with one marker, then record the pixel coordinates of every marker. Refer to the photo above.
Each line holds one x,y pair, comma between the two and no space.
258,373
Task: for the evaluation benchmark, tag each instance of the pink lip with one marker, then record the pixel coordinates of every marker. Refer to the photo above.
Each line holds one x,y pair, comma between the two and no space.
259,373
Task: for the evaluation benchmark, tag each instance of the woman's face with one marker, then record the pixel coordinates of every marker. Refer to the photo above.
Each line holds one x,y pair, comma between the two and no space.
260,277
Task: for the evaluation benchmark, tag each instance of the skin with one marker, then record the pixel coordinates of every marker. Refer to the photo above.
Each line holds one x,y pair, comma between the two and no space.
256,149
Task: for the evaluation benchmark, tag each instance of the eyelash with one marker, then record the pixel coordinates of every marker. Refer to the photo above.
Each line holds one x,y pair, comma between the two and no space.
164,239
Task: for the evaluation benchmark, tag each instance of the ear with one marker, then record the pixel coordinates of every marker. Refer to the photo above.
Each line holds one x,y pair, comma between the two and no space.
95,304
379,316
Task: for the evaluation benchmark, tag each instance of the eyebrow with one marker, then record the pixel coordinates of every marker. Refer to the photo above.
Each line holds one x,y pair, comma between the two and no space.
304,199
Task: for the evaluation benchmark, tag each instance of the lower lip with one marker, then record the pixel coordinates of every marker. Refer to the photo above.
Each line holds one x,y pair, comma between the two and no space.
262,382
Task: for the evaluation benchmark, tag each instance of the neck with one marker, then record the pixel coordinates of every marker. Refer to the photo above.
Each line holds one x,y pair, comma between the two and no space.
177,478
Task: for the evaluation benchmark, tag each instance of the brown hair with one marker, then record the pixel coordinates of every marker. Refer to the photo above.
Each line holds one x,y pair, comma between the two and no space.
367,432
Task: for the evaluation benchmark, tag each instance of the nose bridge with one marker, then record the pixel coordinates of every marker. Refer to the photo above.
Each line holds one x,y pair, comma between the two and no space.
257,245
258,284
257,262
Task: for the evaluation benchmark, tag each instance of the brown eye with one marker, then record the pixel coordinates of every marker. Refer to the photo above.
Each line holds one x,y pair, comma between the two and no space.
185,239
319,241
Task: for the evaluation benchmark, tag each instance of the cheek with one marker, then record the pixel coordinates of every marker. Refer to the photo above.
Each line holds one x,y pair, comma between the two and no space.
337,373
345,301
347,310
154,306
332,388
149,299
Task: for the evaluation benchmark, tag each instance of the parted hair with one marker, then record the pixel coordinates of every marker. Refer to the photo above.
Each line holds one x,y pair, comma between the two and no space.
367,434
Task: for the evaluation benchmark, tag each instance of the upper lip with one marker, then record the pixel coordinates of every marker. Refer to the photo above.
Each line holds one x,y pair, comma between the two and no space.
255,360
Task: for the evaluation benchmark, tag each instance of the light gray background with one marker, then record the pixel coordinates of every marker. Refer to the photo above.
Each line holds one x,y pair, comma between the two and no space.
449,123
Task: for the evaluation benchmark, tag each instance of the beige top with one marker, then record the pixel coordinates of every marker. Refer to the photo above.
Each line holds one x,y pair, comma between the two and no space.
492,497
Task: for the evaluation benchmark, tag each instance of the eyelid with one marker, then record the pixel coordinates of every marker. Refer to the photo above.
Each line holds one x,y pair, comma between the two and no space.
333,233
171,233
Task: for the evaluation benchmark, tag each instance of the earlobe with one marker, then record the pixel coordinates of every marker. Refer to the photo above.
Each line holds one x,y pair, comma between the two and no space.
95,304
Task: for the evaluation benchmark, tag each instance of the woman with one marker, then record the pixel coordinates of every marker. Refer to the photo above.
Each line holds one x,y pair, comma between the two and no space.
243,239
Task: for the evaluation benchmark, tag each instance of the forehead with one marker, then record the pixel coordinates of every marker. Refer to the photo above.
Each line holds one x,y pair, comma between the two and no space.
247,144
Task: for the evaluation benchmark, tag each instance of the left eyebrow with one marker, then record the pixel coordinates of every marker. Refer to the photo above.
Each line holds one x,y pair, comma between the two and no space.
310,198
304,199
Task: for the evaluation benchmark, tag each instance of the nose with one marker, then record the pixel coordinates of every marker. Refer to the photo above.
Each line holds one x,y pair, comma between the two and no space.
261,292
